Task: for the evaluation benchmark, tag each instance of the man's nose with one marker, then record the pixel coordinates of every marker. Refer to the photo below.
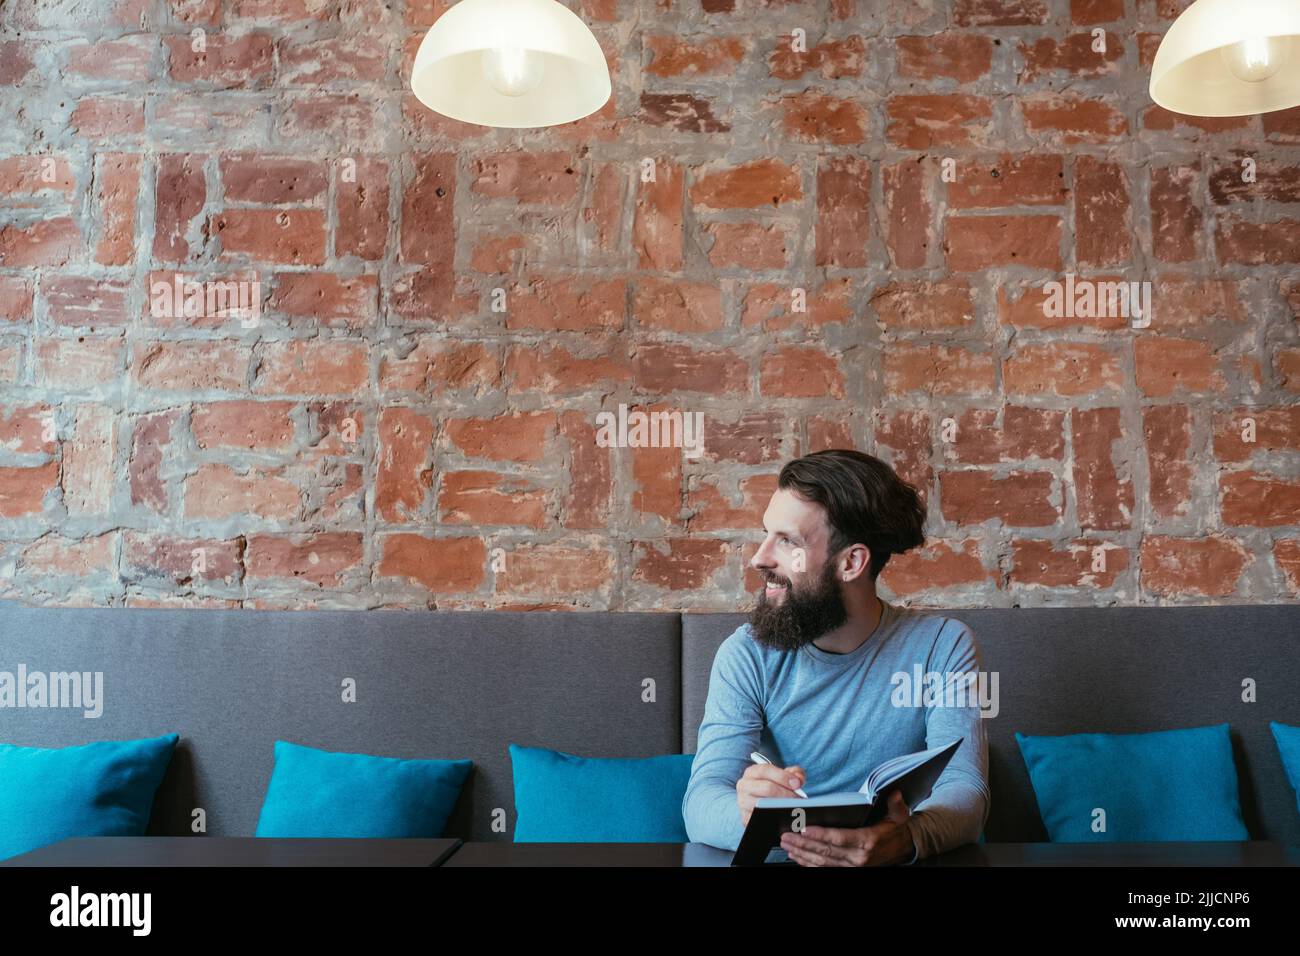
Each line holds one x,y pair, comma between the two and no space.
763,556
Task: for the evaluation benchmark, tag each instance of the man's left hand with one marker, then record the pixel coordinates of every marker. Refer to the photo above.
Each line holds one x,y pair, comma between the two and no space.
881,844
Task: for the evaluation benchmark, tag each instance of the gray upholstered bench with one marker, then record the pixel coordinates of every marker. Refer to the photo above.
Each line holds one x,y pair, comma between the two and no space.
457,685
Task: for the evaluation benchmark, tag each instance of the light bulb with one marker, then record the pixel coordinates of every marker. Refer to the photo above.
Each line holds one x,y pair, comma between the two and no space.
1256,59
512,70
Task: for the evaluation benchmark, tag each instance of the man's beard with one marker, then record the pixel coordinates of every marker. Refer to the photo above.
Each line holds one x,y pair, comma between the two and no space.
803,616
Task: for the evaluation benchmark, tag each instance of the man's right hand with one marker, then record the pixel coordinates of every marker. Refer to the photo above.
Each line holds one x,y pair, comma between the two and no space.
766,780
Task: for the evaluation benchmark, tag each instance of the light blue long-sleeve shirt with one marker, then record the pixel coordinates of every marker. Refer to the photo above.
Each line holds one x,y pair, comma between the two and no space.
839,716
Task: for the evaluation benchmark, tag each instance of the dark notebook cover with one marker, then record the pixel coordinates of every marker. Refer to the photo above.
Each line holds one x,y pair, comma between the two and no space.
913,774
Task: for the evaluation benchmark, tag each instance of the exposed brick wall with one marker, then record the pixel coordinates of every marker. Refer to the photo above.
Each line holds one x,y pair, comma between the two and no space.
387,435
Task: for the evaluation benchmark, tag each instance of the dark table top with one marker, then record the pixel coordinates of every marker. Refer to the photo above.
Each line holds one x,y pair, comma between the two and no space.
236,851
450,852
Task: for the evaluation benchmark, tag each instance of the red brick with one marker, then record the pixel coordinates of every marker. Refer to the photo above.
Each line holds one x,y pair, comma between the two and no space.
103,117
1255,499
151,436
15,299
1274,430
1175,214
436,366
747,245
1166,366
672,55
908,434
843,221
128,60
1073,55
190,366
1017,499
754,438
1256,243
16,61
1102,222
567,304
181,193
816,117
711,509
833,59
962,57
1011,180
679,564
219,491
322,558
440,565
677,306
940,564
924,306
361,203
117,187
23,429
29,181
269,180
1096,11
555,570
22,491
1103,492
522,436
1062,368
404,472
800,372
312,367
557,371
260,426
1286,552
667,368
1203,567
586,502
770,306
981,242
1072,119
657,228
1168,431
936,120
428,232
747,186
289,236
328,298
76,302
180,561
907,188
227,62
1024,433
47,242
351,57
683,112
490,498
550,179
1036,563
999,13
939,370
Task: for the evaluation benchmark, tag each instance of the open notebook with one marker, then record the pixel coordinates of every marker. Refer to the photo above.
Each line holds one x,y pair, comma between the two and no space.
913,774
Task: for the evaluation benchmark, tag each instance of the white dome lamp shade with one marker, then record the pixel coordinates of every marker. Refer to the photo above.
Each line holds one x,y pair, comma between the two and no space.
511,63
1230,58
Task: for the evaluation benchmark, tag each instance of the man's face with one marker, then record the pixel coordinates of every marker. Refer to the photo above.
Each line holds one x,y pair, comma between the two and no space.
801,599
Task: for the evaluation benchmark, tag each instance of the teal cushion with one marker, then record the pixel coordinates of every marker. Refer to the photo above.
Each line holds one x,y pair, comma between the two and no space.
320,793
1160,786
1288,745
561,798
100,789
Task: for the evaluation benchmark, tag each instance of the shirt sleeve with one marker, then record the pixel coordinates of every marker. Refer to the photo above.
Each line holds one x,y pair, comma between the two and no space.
955,812
729,732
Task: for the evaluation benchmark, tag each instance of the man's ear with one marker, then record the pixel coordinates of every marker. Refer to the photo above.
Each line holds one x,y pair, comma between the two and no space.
854,562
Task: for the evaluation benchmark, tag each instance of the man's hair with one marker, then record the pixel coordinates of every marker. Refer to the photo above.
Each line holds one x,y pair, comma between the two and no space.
865,502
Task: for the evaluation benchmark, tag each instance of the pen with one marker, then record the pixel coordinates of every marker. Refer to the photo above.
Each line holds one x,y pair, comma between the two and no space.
759,758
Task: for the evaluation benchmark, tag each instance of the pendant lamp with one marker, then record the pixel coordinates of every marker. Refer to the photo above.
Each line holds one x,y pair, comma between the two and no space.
1230,58
511,63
